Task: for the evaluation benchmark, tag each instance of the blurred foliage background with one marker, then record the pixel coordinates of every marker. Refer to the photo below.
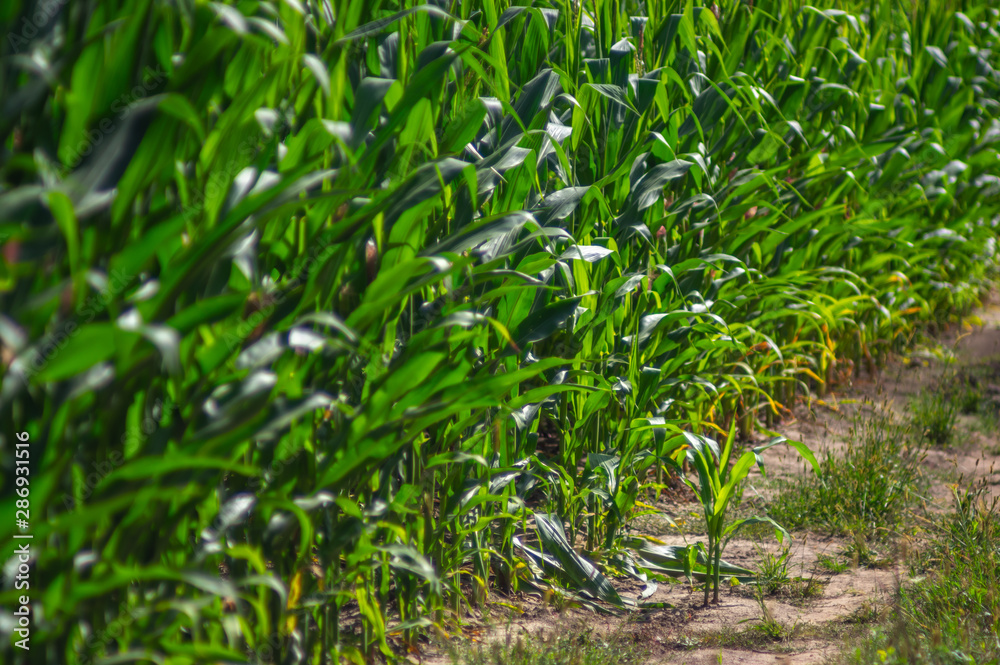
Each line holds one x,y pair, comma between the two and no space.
330,320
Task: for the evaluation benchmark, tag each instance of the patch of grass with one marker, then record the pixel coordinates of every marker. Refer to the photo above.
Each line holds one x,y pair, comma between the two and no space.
772,569
805,588
971,399
795,591
870,612
949,612
688,642
864,490
556,648
831,564
774,579
863,555
973,390
764,631
934,413
770,630
763,636
772,637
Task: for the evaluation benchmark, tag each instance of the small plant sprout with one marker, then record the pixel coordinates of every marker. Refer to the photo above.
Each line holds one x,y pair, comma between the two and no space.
934,416
718,482
772,568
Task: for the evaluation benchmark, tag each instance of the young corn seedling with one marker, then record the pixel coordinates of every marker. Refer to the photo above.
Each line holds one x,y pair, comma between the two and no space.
410,271
718,483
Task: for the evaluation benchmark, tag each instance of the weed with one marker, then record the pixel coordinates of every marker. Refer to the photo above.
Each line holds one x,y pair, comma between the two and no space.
863,491
768,628
862,555
564,648
831,564
773,578
949,611
807,588
869,612
688,642
970,399
974,392
772,569
762,635
933,414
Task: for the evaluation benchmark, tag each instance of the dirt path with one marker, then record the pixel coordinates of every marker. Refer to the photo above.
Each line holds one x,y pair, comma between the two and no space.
827,607
819,628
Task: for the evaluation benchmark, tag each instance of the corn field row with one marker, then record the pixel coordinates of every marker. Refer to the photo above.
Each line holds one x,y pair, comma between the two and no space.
331,320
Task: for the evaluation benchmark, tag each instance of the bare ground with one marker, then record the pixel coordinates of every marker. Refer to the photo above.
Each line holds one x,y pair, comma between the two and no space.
823,612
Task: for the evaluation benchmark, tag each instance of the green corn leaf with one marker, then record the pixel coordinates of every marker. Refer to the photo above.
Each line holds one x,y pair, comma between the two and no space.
580,571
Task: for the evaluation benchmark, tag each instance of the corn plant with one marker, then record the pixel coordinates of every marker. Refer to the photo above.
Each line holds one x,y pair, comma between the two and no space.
718,484
332,318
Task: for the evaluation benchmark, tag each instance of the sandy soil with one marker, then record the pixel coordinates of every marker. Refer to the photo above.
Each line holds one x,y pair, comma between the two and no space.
816,625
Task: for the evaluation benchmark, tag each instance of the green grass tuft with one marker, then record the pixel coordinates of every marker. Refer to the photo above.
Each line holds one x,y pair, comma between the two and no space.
934,413
949,610
573,647
862,490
